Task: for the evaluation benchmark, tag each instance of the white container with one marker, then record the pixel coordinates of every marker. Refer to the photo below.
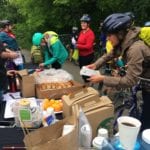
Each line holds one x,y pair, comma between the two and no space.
98,142
103,132
88,72
49,117
86,136
146,136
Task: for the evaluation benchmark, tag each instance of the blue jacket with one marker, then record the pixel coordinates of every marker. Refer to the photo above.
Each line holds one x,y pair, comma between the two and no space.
11,42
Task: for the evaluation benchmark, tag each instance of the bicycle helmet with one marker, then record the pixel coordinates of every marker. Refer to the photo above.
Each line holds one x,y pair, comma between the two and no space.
4,23
85,18
116,22
36,38
147,24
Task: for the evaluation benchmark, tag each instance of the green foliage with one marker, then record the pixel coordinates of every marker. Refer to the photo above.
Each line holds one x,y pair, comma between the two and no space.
60,15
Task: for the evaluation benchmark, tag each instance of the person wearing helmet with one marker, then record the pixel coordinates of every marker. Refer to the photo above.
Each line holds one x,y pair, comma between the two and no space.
36,51
126,43
85,43
55,54
9,41
72,47
7,36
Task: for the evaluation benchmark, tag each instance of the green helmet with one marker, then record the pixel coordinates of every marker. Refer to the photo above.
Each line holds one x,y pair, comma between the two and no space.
36,38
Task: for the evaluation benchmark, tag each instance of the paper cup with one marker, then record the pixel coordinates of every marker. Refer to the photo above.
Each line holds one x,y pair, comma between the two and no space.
128,131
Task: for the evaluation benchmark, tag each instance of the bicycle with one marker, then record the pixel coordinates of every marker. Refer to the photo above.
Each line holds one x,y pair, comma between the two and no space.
130,106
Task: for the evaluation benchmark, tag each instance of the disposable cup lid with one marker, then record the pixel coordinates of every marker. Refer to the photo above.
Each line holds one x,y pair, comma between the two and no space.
146,136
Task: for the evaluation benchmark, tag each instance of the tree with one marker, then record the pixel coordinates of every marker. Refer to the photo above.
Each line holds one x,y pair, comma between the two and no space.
60,15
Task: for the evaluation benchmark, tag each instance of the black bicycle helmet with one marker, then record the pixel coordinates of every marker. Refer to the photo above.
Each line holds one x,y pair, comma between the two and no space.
85,18
147,24
4,23
116,22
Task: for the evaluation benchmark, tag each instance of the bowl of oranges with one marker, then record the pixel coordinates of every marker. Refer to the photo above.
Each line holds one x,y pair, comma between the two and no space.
57,105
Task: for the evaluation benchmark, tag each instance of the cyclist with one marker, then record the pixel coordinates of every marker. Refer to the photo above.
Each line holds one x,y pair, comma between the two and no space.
9,40
85,43
126,42
7,36
55,54
36,51
74,37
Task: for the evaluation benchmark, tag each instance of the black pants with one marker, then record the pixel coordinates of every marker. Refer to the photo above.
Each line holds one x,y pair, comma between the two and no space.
84,61
145,118
56,65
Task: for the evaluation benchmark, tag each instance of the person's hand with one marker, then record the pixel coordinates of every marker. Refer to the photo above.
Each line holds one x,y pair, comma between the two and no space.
91,66
11,72
96,78
13,55
41,65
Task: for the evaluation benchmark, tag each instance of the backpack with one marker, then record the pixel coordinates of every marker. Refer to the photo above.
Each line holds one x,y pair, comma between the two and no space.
145,35
36,54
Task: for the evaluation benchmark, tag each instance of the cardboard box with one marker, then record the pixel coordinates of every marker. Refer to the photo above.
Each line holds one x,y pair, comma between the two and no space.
98,112
27,83
80,97
57,93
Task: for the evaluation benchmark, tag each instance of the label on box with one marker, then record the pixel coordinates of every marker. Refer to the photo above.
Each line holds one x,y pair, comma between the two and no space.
25,114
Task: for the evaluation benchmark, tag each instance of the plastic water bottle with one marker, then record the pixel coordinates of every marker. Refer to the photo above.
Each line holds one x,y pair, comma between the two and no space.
117,145
49,117
101,143
103,132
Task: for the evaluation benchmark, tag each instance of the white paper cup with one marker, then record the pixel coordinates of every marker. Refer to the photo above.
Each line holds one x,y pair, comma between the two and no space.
128,131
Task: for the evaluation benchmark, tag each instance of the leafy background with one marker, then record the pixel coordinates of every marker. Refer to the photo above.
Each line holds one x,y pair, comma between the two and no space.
31,16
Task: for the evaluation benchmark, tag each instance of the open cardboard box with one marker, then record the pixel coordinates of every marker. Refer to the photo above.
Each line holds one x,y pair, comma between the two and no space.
80,97
27,83
57,93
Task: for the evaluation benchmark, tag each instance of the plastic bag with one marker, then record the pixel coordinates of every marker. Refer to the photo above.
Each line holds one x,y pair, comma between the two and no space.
75,54
53,76
19,59
85,131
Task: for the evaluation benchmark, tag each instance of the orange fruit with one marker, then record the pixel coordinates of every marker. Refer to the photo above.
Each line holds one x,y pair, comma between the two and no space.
45,104
61,104
57,107
51,102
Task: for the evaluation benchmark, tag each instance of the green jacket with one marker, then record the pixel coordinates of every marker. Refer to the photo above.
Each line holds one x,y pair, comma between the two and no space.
55,52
